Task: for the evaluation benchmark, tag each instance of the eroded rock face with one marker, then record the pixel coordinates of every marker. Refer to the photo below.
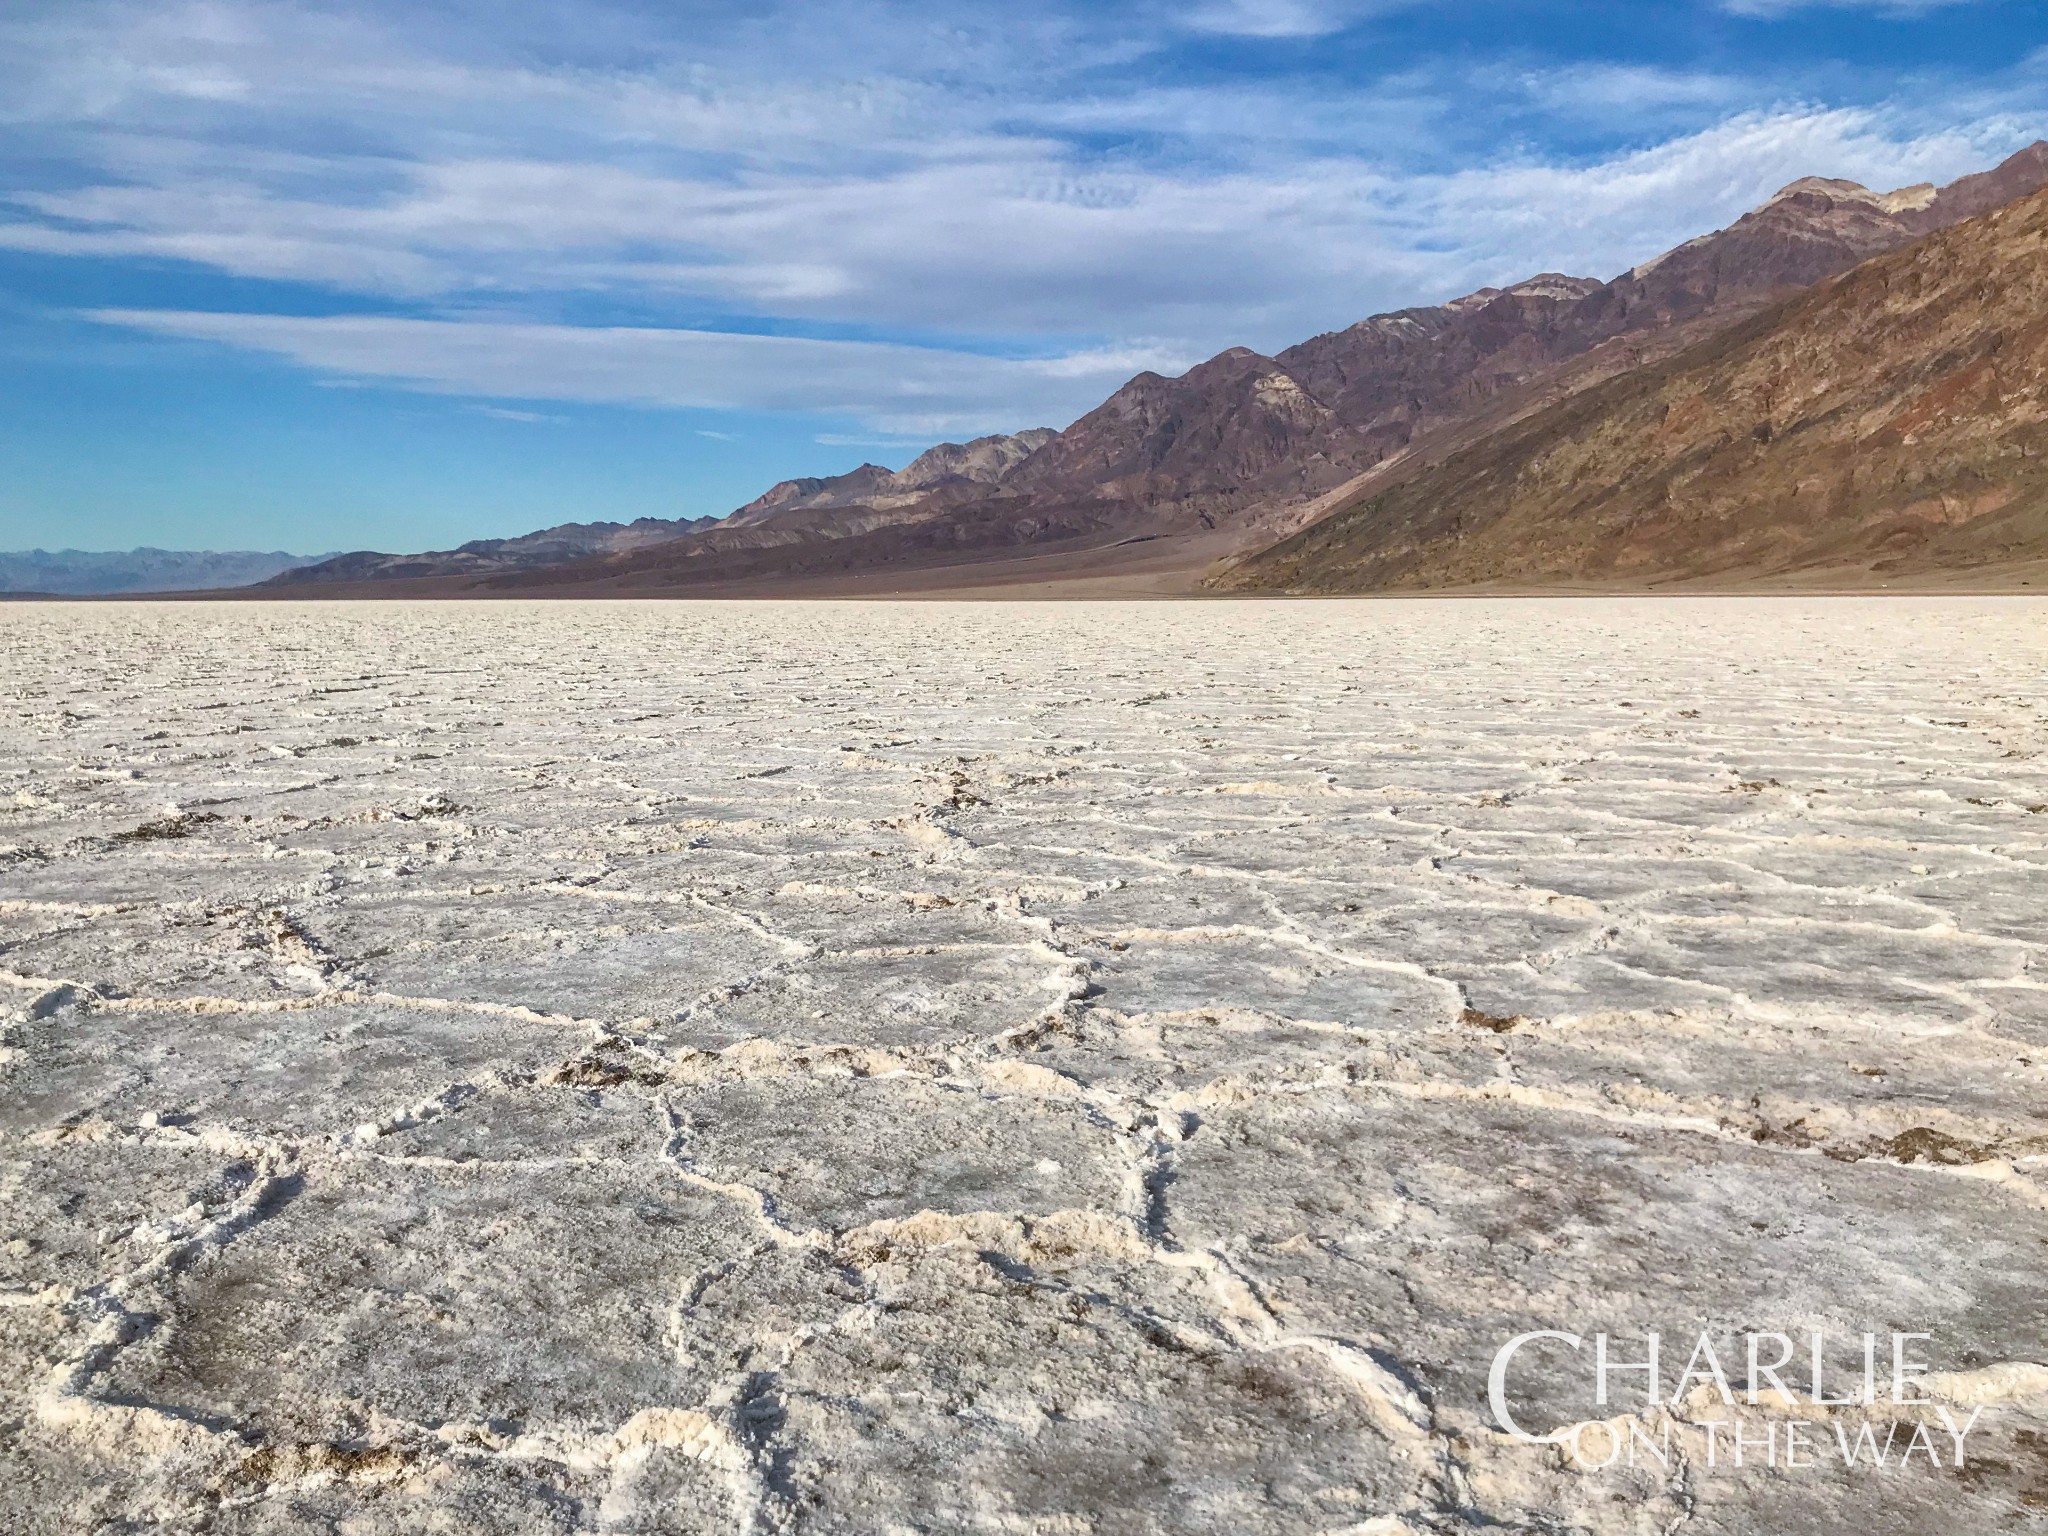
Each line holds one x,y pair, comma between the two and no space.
1026,1069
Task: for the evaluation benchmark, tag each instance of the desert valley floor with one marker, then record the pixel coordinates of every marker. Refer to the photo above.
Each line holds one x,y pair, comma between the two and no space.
1004,1067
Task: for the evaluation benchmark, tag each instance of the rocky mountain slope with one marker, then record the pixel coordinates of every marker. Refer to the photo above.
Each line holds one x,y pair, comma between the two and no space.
1895,419
949,466
105,573
1242,428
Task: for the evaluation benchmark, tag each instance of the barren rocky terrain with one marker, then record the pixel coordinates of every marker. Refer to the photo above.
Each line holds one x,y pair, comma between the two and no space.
1032,1069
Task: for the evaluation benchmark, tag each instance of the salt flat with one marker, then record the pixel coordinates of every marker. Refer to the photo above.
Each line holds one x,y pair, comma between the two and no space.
1022,1068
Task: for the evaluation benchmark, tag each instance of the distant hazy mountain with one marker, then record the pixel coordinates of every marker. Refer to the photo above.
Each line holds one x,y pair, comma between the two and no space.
487,557
89,573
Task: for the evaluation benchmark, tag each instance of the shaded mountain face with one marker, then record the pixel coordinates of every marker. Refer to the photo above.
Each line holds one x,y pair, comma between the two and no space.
487,557
94,573
1893,420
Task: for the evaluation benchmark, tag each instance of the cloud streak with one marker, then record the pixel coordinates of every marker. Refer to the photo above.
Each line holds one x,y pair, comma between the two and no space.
1281,18
903,390
1769,9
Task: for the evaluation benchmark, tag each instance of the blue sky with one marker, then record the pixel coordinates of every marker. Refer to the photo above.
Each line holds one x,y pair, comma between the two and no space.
316,276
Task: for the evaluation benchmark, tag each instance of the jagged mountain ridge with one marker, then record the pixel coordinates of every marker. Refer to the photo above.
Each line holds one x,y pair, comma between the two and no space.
1893,420
1243,427
982,462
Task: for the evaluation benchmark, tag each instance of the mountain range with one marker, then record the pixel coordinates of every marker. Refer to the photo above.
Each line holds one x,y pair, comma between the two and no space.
485,557
1893,420
106,573
1247,451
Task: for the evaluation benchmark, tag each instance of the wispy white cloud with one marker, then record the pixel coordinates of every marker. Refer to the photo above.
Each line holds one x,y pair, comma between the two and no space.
1772,8
1584,218
504,413
1624,91
899,390
1282,18
854,440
